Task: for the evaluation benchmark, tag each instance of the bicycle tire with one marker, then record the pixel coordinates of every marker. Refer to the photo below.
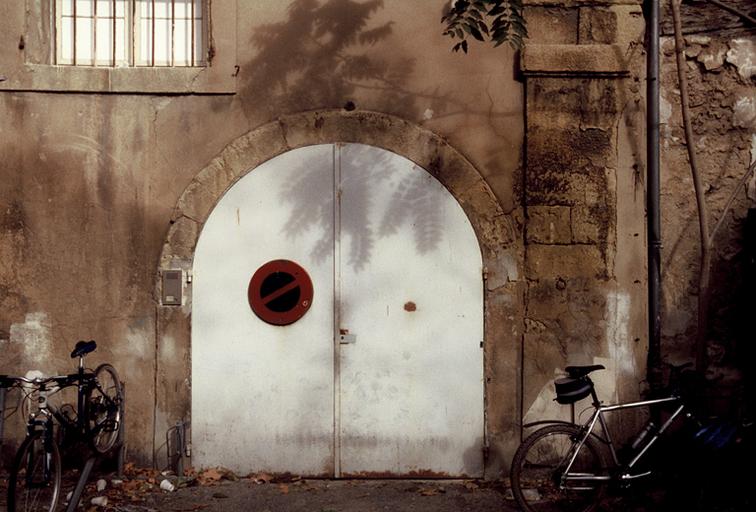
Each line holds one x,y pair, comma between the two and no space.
30,487
104,409
536,465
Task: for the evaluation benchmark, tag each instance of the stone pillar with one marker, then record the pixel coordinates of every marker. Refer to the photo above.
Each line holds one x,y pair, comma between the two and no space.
584,199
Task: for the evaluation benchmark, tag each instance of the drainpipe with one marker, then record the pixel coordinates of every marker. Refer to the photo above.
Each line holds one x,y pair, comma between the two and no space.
653,210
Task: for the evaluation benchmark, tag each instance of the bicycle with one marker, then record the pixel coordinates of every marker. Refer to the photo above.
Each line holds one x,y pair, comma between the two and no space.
35,477
563,464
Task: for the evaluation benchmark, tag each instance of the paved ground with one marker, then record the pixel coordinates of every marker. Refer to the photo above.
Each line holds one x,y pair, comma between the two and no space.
213,490
334,496
254,495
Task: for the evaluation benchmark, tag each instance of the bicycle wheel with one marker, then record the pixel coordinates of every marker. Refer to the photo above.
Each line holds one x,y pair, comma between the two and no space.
34,484
104,409
537,469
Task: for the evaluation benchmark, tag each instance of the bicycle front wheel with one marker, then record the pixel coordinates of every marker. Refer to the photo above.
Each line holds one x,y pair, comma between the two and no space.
104,409
34,484
538,466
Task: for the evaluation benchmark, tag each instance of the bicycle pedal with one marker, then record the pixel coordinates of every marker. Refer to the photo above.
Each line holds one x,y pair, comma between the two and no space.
628,476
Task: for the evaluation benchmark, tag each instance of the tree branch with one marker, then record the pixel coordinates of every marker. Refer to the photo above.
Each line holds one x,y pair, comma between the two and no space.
705,259
729,202
733,10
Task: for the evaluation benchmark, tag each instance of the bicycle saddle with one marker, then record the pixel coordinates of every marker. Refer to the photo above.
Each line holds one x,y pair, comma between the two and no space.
581,371
82,348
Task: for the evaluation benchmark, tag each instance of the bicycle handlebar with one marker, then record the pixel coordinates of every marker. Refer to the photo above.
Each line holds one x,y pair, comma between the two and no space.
8,381
81,349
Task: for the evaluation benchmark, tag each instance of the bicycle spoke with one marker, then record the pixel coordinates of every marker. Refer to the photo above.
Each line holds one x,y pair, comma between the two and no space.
35,477
104,405
538,469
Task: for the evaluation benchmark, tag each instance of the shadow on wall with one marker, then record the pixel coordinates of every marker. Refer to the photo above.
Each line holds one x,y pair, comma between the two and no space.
363,221
325,54
320,55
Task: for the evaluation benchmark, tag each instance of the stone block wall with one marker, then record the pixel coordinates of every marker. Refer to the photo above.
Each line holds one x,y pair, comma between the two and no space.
584,199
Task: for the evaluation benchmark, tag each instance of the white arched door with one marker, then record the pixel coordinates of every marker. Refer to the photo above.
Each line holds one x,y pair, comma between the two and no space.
380,371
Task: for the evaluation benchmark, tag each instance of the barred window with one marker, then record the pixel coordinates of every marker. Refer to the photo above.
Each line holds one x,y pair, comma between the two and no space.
130,32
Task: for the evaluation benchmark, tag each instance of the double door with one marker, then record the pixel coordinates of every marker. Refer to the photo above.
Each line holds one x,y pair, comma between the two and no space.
380,372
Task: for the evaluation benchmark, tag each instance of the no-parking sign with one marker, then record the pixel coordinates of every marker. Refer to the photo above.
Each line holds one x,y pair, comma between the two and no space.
280,292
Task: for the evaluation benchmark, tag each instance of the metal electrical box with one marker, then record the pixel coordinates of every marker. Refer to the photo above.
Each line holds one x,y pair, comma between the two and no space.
172,287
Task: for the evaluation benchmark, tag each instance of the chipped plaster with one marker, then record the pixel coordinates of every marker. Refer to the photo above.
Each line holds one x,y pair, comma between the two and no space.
35,338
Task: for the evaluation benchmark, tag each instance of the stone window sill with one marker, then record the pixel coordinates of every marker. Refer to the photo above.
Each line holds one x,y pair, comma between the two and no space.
25,60
204,80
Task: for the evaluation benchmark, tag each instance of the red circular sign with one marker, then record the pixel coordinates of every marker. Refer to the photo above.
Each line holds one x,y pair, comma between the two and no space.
280,292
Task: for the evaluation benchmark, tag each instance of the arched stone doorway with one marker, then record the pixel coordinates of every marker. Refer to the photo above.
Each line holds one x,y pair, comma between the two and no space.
494,230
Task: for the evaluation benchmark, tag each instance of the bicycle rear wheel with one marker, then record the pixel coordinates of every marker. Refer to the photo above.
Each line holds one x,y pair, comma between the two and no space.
104,409
34,484
537,469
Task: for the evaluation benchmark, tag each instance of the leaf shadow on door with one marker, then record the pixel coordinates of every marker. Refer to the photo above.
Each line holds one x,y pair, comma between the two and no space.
364,220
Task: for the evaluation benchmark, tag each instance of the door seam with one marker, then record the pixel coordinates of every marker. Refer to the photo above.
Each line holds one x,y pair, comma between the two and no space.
336,159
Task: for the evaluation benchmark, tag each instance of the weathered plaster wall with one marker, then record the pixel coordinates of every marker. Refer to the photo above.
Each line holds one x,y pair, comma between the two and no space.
100,191
89,182
722,80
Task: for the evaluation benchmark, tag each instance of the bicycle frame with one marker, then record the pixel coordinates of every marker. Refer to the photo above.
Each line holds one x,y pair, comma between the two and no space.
37,465
598,417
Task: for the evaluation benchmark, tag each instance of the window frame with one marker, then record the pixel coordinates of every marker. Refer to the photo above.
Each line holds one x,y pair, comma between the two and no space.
135,55
35,68
199,58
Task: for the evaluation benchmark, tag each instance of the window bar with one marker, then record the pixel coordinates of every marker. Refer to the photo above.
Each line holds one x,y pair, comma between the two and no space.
129,28
173,32
153,35
192,43
94,34
55,51
73,59
113,11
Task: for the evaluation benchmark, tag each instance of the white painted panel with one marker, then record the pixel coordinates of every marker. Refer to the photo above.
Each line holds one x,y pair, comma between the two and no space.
412,298
262,395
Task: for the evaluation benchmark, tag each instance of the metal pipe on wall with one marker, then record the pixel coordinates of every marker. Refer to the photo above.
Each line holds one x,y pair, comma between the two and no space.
653,209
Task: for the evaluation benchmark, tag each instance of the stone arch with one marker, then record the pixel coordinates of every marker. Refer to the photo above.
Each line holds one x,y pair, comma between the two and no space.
496,231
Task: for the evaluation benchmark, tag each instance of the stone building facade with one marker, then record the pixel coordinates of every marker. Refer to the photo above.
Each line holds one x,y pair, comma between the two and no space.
110,174
719,56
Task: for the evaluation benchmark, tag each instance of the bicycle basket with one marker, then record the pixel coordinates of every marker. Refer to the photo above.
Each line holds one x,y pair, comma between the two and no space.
570,390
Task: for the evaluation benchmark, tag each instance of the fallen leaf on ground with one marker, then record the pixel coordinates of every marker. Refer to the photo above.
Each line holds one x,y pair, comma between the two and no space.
260,478
283,488
431,491
212,476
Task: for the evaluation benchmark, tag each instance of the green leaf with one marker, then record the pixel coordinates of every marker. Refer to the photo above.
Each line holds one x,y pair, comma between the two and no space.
462,45
500,21
473,31
500,34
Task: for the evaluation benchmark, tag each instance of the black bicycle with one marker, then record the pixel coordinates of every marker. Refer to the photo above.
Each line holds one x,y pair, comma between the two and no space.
567,466
35,478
